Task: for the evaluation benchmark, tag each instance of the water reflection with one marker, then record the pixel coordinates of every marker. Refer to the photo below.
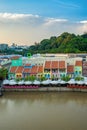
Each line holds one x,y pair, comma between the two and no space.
43,111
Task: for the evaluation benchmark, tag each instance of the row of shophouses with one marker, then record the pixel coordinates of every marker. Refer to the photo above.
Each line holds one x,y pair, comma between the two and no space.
48,69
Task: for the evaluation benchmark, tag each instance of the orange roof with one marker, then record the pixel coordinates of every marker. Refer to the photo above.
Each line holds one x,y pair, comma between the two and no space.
61,64
40,69
15,57
27,64
78,63
34,69
19,69
26,70
47,65
70,68
54,65
13,69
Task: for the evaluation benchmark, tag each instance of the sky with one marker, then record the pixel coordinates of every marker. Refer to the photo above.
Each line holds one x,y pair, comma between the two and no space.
25,22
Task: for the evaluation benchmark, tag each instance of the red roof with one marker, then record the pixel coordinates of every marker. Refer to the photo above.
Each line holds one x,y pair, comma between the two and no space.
40,69
34,69
27,64
54,65
70,68
13,69
47,65
19,69
78,63
15,57
26,70
61,64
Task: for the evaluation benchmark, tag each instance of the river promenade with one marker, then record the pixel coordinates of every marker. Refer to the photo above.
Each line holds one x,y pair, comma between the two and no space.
45,89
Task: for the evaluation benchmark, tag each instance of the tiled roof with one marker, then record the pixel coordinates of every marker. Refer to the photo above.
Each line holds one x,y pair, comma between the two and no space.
19,69
54,65
15,57
13,69
70,68
34,69
78,63
26,70
61,64
27,64
40,69
47,65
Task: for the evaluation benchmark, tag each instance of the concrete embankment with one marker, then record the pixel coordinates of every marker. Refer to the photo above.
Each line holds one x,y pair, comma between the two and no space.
46,89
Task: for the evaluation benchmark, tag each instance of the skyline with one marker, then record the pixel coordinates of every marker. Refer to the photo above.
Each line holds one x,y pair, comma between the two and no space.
29,21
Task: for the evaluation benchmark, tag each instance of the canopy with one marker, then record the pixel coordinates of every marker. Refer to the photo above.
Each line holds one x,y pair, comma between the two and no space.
12,82
46,82
28,82
20,82
5,82
54,82
36,82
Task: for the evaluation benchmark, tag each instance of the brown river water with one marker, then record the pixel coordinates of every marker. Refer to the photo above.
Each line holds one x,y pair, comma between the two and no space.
43,111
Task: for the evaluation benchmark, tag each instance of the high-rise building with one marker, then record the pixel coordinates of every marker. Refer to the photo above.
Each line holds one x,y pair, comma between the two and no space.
3,46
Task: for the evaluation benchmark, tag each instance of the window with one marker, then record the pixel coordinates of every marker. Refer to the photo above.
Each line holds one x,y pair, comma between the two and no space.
48,75
76,72
45,75
79,72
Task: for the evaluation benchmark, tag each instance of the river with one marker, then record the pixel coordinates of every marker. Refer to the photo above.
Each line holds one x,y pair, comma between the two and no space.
43,111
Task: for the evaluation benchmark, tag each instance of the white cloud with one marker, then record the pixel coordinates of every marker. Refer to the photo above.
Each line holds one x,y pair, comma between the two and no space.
28,28
51,21
82,26
83,22
16,16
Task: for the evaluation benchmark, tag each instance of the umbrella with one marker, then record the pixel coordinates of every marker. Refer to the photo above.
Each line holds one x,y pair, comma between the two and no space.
46,82
12,82
54,82
27,82
36,82
21,82
5,82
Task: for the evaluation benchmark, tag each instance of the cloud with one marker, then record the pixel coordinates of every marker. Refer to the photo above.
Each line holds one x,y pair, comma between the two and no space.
51,21
83,22
29,28
82,26
16,16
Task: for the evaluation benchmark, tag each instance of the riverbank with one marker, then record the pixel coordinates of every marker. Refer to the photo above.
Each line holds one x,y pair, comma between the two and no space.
45,89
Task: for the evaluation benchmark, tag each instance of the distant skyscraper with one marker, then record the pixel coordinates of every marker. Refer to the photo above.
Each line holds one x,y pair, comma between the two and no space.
3,46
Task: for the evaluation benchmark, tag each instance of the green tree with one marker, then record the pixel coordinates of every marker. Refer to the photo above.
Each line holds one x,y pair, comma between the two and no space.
3,73
65,78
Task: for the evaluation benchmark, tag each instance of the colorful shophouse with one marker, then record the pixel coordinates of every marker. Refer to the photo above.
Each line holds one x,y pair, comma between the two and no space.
27,70
84,68
78,69
47,70
11,73
62,69
54,69
70,71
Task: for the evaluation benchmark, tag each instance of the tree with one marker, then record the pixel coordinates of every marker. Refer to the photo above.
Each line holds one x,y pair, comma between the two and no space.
3,73
79,78
66,78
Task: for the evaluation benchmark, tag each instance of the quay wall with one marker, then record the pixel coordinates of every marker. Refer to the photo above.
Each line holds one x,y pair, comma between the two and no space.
45,89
